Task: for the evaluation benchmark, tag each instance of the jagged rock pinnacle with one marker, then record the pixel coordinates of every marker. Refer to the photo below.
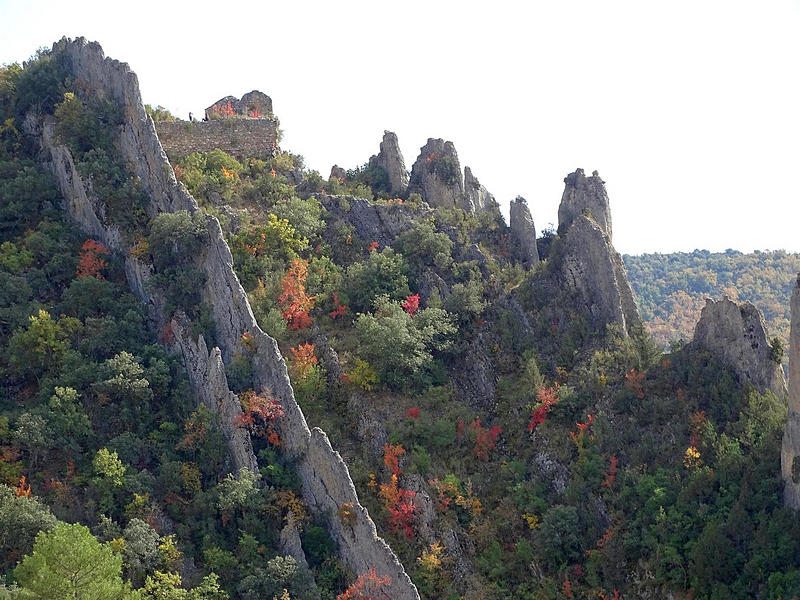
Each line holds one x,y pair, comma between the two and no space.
523,233
436,175
390,159
584,195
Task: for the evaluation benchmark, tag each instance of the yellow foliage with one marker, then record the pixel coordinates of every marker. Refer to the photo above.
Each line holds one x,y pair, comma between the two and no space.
431,559
531,520
691,458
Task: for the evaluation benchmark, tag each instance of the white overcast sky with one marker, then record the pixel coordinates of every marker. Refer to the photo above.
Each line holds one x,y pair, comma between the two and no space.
690,110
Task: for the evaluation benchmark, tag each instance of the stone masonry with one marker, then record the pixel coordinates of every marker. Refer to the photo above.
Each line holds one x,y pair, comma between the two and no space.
239,137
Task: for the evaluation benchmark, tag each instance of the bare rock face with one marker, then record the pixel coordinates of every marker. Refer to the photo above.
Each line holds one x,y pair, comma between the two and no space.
523,233
436,175
253,103
207,376
326,482
372,222
477,197
337,172
737,335
592,270
790,451
390,159
584,195
475,382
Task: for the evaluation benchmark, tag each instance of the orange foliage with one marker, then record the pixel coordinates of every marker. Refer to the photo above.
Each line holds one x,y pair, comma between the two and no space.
582,429
293,299
304,360
90,264
23,489
633,381
368,586
373,246
260,412
485,439
611,476
567,588
391,455
546,396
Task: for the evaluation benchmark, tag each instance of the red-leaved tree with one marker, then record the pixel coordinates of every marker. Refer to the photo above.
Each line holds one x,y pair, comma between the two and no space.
90,262
411,304
259,413
368,586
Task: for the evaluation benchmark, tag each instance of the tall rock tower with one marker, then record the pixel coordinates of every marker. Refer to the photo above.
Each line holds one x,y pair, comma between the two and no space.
790,452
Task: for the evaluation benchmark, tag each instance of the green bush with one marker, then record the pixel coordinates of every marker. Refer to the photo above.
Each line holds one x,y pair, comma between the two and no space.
383,273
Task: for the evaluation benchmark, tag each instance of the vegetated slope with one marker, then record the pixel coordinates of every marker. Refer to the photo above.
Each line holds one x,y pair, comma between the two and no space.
671,288
508,442
586,465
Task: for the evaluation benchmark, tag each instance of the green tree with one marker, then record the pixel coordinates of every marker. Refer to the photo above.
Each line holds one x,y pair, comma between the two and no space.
68,563
383,273
401,346
21,519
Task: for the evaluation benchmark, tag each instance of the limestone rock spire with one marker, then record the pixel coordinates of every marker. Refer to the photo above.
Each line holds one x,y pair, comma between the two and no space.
584,195
790,451
390,159
436,175
589,267
523,233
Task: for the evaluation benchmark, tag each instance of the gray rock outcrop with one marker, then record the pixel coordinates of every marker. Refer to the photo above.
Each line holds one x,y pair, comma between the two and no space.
737,335
584,195
790,450
586,265
326,483
436,175
390,159
523,233
593,272
477,198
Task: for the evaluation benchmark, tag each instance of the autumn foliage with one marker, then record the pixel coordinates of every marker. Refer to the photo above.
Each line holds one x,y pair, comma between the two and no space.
259,414
633,381
546,398
369,586
391,456
304,360
293,300
411,304
90,262
485,439
611,476
339,309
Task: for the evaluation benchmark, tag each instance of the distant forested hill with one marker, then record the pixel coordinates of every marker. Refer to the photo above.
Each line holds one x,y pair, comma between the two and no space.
671,288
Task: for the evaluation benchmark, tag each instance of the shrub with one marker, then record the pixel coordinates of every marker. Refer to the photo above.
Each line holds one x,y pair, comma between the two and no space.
401,346
383,273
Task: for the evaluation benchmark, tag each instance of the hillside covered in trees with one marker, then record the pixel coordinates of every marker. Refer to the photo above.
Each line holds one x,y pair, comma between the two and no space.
185,339
671,289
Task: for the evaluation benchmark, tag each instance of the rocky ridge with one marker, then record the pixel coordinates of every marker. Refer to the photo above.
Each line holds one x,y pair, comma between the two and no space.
325,479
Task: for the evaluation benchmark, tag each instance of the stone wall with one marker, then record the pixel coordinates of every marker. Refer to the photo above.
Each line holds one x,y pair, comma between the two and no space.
241,138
